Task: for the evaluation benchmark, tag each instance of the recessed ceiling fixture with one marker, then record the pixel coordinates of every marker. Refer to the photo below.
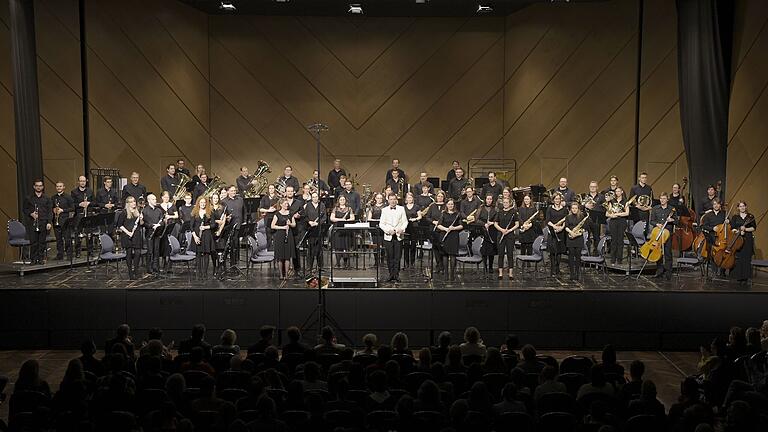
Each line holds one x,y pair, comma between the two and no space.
355,9
481,9
227,6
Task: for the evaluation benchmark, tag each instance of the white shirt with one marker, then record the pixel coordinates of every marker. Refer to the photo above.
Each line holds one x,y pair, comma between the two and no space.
393,219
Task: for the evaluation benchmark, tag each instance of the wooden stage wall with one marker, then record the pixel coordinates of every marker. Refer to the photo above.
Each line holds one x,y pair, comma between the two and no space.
551,86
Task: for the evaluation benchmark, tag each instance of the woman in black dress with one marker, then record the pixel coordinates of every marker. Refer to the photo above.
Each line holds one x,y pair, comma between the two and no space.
203,224
486,214
373,216
449,226
414,218
506,222
171,217
342,241
128,223
185,216
617,223
744,224
433,217
555,219
218,213
285,247
574,240
528,231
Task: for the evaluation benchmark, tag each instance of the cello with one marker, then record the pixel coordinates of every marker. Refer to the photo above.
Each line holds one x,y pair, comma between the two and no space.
700,243
725,258
652,249
683,236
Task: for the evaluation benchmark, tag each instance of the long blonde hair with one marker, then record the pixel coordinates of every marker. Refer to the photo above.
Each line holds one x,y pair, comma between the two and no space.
131,213
196,208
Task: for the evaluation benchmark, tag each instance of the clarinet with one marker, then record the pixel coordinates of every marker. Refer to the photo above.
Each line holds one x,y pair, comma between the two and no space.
37,220
449,226
287,228
135,225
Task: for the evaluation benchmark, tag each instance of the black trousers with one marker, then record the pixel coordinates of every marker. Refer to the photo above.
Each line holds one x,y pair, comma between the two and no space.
617,227
132,257
314,251
153,253
437,249
297,233
394,251
574,261
665,264
234,247
37,242
506,247
63,241
594,237
409,251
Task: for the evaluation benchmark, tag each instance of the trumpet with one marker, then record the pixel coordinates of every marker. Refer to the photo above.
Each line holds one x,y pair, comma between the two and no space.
57,212
37,219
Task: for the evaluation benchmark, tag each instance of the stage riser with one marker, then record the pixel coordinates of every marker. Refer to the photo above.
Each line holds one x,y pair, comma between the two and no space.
32,319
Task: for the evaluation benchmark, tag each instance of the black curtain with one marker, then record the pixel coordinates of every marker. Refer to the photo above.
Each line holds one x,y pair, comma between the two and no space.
29,153
704,49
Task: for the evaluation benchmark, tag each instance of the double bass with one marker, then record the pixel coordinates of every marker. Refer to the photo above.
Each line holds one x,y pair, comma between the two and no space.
683,236
700,245
652,249
727,244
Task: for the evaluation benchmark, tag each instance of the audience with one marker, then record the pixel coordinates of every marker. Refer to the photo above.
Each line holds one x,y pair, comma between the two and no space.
263,393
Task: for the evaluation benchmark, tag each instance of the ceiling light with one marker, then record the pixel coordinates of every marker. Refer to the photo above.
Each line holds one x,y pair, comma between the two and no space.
484,9
227,6
421,1
355,9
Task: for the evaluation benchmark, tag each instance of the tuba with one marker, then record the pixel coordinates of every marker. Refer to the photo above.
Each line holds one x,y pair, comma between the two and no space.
259,183
181,189
214,186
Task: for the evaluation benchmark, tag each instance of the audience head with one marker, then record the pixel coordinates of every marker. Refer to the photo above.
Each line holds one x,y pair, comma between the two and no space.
267,332
175,385
636,370
266,407
454,356
272,354
399,342
512,342
327,334
472,335
737,338
155,348
311,371
123,331
548,373
155,333
648,390
609,355
598,375
196,355
384,353
753,337
207,387
444,340
509,392
377,381
74,371
429,392
294,334
370,340
425,357
198,332
88,348
529,352
228,337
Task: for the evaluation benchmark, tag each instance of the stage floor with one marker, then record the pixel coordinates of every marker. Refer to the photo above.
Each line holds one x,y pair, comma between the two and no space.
101,277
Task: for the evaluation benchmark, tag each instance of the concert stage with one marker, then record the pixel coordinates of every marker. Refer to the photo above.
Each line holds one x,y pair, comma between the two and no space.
58,308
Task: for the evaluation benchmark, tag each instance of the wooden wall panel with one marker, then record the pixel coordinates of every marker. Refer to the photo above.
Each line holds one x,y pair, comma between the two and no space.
551,85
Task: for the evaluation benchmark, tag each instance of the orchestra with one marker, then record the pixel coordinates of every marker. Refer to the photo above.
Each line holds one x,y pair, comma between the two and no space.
295,216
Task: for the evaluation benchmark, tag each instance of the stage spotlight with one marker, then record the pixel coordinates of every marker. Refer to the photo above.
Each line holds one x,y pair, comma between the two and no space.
421,1
355,9
481,9
228,6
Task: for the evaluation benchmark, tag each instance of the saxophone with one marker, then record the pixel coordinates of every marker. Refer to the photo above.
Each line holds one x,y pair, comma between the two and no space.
528,223
470,217
578,230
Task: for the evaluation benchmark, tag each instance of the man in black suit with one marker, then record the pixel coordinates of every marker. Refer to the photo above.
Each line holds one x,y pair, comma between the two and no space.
63,207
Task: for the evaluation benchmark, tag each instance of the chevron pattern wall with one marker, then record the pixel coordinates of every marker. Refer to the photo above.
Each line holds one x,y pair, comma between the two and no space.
551,86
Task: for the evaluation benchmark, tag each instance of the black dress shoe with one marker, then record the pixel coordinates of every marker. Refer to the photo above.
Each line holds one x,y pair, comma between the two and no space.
658,274
397,280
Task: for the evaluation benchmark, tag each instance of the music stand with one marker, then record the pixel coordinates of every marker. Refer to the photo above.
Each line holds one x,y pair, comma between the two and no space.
632,244
250,206
89,224
248,230
68,232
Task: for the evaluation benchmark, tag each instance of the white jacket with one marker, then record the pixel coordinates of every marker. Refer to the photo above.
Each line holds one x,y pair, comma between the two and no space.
393,220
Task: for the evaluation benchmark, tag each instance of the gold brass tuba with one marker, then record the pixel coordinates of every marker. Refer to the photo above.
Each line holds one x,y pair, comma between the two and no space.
214,186
259,182
181,189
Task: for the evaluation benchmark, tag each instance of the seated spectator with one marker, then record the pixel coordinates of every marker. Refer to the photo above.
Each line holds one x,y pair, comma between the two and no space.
149,367
405,409
29,379
197,339
256,389
530,364
399,344
509,348
341,401
610,366
295,398
73,392
272,361
123,337
266,419
90,363
754,344
548,383
440,351
598,384
345,365
175,388
267,333
209,402
116,389
424,363
394,378
494,363
227,345
509,403
156,333
312,374
197,362
328,344
689,397
764,335
473,345
737,344
295,345
428,398
369,342
631,390
740,417
440,378
128,365
647,404
379,399
457,413
480,399
455,361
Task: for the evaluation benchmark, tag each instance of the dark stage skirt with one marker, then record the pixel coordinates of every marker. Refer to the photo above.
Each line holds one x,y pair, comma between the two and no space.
207,244
742,270
285,247
451,243
131,242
